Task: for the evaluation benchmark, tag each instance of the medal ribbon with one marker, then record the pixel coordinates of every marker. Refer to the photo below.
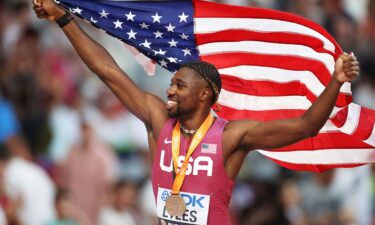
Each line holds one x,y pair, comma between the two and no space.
197,138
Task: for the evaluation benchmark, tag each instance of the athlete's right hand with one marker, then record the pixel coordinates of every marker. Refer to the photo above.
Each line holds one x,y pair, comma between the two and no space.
47,9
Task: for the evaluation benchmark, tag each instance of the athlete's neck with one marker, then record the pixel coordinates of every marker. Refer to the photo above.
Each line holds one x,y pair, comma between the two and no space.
194,122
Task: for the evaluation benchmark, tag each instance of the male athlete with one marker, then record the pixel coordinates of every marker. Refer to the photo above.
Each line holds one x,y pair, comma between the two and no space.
196,157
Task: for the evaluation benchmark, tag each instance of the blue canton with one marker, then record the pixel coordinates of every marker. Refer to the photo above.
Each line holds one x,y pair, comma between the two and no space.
161,30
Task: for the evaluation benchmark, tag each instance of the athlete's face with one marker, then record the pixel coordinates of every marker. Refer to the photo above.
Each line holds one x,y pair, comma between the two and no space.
184,92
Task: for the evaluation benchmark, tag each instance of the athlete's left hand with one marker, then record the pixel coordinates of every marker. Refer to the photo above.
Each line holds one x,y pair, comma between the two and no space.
346,68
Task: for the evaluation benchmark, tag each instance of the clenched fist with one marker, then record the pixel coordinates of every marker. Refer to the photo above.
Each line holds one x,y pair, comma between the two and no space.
346,68
47,9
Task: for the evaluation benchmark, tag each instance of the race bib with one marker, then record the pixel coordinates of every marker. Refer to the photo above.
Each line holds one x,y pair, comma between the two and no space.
197,207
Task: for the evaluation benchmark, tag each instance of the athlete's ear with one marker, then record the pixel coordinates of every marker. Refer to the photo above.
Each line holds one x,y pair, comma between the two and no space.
205,94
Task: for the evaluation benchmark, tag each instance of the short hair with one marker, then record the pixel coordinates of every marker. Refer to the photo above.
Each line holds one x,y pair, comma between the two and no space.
209,73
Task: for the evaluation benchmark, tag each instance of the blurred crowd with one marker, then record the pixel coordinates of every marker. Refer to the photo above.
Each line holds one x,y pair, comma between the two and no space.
71,154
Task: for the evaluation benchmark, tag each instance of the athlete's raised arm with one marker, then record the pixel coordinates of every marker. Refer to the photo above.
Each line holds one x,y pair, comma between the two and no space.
250,135
99,61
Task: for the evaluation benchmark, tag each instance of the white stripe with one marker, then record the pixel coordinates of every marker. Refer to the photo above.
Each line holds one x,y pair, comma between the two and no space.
328,127
210,25
352,120
260,47
371,140
260,73
256,103
239,101
323,156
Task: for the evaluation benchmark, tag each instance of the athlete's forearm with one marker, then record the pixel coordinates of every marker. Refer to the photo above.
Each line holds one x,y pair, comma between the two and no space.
318,113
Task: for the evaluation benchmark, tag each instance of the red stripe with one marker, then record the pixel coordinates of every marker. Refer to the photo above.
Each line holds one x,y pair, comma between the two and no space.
270,88
366,124
225,60
340,117
321,141
234,114
313,168
214,10
327,141
233,35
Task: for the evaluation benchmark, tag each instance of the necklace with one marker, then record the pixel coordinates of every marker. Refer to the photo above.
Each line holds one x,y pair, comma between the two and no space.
186,131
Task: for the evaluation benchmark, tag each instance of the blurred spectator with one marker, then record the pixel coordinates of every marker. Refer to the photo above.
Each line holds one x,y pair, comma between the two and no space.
124,132
8,122
354,184
340,24
290,195
66,212
123,208
147,203
322,203
29,189
26,87
87,172
308,9
266,209
15,17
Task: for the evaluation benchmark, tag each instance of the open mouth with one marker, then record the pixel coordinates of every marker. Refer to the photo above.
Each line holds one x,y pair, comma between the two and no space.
170,104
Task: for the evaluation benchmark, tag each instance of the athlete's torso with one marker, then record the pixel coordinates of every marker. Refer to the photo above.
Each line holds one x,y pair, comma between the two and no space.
206,189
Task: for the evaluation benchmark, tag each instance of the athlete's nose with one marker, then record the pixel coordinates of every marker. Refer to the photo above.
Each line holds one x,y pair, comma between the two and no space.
171,90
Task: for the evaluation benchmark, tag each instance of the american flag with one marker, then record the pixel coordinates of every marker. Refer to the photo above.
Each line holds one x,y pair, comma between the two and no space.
209,148
273,66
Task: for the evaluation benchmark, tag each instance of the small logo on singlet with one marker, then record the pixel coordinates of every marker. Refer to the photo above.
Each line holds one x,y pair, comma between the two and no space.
166,141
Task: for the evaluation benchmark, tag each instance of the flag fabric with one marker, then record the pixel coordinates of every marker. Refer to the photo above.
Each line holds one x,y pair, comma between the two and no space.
273,66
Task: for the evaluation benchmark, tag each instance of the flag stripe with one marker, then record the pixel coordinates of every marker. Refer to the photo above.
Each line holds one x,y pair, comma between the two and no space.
241,101
371,139
270,88
273,37
260,73
258,103
324,156
268,48
326,141
352,119
211,25
204,9
225,60
313,167
365,126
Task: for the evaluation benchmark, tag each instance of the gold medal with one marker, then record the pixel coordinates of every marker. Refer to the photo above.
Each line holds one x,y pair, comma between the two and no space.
175,205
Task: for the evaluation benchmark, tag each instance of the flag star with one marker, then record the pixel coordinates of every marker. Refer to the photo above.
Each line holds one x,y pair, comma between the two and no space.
146,44
163,63
130,16
183,17
158,34
77,10
170,28
172,60
92,20
104,14
184,36
160,52
132,34
118,24
144,25
186,51
156,18
173,43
